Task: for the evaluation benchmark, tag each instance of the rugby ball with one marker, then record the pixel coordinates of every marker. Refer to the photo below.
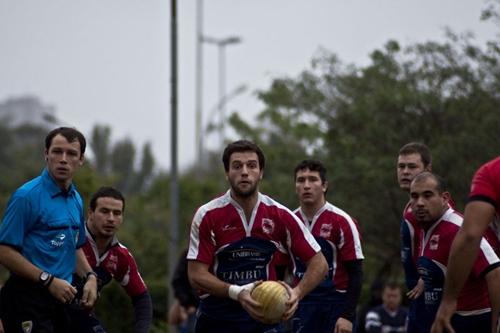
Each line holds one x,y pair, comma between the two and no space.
273,296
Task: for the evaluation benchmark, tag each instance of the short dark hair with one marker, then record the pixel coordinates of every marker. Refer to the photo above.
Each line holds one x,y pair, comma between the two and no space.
391,285
417,148
440,182
70,133
106,192
313,165
242,146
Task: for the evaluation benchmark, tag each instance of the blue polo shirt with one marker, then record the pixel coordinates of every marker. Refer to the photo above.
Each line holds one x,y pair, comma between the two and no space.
46,225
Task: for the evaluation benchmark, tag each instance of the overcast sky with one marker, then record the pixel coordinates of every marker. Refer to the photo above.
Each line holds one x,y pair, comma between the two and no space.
108,61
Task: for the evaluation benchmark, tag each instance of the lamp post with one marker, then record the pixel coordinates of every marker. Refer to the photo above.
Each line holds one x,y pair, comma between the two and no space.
221,44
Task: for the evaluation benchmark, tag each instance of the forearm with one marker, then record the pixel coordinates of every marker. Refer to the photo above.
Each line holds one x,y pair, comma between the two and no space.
201,278
355,273
17,264
314,274
143,313
82,265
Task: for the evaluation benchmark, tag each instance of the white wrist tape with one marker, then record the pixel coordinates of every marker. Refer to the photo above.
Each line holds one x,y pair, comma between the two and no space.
235,290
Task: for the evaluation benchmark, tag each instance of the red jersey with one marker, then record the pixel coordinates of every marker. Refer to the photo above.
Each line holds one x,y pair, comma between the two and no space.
340,241
238,251
117,263
486,187
473,298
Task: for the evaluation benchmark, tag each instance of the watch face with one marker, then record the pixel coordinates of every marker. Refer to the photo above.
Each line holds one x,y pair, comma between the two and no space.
44,276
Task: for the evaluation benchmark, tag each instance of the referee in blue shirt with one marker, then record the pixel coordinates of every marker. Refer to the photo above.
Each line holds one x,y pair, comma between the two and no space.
40,242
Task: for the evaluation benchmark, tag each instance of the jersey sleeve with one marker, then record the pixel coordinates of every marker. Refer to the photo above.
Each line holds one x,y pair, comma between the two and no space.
485,186
485,259
82,238
131,281
16,221
201,244
349,240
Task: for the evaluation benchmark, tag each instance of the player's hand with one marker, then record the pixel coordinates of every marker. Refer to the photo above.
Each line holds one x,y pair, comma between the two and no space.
293,301
62,290
250,305
442,323
89,295
417,290
343,326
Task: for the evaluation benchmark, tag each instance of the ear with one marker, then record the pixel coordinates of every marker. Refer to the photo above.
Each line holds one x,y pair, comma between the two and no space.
82,159
428,167
261,174
325,186
46,155
446,196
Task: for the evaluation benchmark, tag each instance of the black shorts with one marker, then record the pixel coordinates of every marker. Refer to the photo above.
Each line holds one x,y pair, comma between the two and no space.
29,307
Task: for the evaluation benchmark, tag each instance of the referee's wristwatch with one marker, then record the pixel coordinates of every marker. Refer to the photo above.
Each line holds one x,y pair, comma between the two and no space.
45,278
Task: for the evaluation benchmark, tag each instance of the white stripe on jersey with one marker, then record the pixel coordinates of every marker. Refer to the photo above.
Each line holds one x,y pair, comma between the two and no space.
352,226
194,242
453,217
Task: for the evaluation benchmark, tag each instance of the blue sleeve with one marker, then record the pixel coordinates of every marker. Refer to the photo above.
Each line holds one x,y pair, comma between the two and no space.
82,238
17,221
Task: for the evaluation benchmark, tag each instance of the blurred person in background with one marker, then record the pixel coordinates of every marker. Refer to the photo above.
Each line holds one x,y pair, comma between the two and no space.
390,316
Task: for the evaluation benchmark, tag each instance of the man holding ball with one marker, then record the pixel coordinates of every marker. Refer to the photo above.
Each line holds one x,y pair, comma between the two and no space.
236,240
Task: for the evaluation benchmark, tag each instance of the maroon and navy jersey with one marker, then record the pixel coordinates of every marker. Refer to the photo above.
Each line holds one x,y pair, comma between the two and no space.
116,263
338,235
473,299
486,187
411,236
238,251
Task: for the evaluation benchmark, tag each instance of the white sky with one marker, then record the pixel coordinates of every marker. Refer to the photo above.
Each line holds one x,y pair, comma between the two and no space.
108,61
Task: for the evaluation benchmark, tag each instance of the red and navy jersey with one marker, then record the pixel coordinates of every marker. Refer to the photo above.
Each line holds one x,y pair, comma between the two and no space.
411,236
116,263
238,251
473,299
338,235
486,187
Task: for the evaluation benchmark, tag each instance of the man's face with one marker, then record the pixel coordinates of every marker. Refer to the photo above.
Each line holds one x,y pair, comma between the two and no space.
309,187
427,204
244,173
63,159
107,217
391,298
408,167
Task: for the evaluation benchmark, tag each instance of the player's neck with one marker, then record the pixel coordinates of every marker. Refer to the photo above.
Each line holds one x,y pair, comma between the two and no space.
246,202
310,210
103,244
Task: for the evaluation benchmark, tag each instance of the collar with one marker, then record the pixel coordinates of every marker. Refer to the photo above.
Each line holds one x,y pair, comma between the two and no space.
91,237
52,187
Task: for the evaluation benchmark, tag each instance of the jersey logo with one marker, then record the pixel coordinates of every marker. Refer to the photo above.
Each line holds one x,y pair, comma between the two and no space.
326,230
112,263
267,226
27,326
228,227
434,242
58,240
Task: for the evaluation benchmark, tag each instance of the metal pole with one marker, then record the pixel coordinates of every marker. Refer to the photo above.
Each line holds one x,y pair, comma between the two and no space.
174,187
199,82
222,91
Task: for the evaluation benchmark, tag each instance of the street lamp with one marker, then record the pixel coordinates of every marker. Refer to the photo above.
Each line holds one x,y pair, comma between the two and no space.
221,44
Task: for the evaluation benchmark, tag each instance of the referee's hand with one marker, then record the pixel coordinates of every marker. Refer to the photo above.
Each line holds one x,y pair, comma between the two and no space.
62,290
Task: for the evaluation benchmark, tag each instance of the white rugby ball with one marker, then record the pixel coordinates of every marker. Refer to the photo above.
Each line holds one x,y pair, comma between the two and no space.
273,296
